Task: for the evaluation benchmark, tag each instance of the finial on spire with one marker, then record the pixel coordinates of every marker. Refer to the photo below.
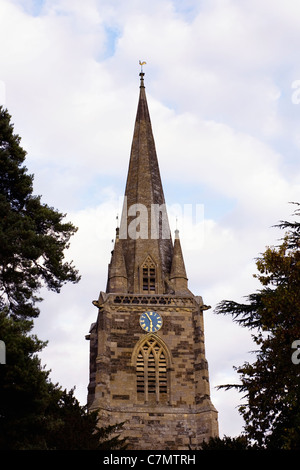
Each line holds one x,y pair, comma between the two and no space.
142,73
141,64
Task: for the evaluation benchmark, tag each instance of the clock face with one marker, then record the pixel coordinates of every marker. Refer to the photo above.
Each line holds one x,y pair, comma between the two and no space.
150,321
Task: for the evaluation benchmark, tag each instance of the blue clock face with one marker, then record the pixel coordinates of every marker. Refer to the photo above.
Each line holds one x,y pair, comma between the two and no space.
150,321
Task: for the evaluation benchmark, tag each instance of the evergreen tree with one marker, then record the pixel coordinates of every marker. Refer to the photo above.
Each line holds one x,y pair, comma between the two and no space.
227,443
36,414
33,236
24,387
271,384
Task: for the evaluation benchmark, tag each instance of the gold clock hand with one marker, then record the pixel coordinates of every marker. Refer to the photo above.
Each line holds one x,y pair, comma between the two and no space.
148,318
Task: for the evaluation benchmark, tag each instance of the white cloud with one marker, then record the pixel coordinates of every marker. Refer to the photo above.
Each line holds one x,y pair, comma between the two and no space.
219,80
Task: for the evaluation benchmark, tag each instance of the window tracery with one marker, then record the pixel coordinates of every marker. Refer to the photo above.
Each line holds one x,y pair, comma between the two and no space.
152,372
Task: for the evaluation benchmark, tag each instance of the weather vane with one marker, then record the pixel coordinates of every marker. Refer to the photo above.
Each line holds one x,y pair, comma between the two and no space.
141,64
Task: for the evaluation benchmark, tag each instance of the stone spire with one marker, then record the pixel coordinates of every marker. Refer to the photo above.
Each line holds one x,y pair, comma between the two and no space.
117,275
144,230
178,275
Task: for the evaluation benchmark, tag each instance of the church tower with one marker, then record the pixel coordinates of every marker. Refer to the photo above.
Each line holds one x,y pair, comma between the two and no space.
147,356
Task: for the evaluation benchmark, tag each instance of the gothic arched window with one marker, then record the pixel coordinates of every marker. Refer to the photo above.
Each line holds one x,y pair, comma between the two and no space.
148,275
151,372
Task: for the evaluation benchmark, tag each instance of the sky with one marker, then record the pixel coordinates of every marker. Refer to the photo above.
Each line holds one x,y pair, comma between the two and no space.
223,88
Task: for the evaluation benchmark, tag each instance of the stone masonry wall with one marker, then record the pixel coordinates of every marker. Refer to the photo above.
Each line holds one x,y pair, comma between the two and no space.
188,417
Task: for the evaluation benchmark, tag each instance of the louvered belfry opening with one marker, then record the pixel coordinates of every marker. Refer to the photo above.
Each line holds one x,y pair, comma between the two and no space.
149,276
151,373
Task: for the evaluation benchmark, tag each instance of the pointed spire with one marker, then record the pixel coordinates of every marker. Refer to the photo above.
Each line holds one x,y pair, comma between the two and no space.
178,275
143,195
117,275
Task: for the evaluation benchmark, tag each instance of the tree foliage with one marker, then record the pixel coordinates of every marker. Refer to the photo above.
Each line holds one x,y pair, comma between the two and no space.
36,414
271,384
33,236
239,443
